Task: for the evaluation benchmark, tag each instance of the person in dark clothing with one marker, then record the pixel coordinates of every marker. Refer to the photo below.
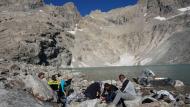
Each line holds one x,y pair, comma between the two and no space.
54,83
93,91
63,91
109,92
61,88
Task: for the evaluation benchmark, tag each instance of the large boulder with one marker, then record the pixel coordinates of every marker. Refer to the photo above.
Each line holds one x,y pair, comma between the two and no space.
20,5
38,88
178,83
133,103
15,98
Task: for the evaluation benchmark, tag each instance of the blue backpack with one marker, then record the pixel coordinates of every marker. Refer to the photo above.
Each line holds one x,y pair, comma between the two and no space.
62,85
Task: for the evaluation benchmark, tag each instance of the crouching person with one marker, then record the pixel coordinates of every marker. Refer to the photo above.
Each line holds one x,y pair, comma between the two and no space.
93,91
109,93
60,88
127,91
146,77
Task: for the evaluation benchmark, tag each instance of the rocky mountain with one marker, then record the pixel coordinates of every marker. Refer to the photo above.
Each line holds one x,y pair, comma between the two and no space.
36,33
151,32
22,5
33,34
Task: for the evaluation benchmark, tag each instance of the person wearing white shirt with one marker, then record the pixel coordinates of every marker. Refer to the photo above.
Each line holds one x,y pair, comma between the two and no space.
127,91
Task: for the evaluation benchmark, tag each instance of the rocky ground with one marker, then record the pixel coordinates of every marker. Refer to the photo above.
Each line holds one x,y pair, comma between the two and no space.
20,87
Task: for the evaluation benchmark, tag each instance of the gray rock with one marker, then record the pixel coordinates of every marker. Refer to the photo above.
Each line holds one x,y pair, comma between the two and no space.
133,103
38,88
178,83
41,39
15,98
187,99
2,86
20,5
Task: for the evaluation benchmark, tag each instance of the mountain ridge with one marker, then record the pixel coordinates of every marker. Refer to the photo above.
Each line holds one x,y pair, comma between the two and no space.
124,34
60,36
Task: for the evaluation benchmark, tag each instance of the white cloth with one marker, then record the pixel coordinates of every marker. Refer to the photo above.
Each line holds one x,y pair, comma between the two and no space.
164,92
75,97
71,97
130,89
125,96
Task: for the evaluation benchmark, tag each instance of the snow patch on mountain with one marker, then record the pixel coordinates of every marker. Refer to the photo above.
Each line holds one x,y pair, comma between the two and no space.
125,59
160,18
184,9
72,32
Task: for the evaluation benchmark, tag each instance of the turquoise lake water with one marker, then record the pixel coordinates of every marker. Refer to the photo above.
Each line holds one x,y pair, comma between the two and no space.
179,72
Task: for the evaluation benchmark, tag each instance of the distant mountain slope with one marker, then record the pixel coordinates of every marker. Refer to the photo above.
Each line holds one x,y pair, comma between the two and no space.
151,32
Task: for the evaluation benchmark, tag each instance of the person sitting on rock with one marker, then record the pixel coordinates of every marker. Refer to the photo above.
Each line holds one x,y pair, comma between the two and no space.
64,88
54,83
127,91
109,94
64,91
41,75
93,91
145,78
60,88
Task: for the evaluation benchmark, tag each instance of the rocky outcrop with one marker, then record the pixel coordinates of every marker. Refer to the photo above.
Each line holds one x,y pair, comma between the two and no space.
15,98
20,89
20,5
19,81
39,35
163,7
146,33
38,88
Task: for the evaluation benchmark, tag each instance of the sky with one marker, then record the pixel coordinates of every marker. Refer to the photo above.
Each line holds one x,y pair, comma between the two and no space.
86,6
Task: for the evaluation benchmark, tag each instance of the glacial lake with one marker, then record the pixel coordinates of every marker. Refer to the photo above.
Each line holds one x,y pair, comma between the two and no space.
177,72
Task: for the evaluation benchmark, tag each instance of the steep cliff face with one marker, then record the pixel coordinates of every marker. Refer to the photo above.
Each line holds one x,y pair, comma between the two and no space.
151,32
38,35
23,5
